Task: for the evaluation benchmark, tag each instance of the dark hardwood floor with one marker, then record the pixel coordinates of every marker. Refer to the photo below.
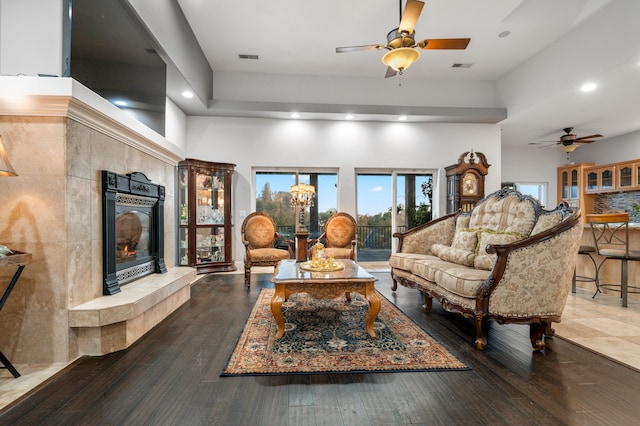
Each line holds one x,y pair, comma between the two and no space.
171,376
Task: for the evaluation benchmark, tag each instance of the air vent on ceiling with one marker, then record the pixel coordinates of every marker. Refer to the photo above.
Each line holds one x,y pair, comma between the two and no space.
151,51
244,56
461,65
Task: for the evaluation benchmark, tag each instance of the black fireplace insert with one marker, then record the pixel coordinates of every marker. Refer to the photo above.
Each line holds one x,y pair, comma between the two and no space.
133,229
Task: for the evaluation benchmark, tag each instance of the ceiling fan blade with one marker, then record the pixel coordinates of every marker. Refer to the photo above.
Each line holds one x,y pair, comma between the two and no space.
410,15
357,48
582,139
390,72
543,144
444,43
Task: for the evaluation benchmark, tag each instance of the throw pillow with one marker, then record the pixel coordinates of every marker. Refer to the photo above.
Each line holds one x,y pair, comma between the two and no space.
485,260
465,240
546,221
454,255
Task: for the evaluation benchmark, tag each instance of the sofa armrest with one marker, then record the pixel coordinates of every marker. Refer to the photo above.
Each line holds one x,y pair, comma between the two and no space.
420,239
532,277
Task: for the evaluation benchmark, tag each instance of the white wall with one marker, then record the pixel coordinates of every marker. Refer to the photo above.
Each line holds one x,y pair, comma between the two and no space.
604,151
533,165
31,37
346,146
175,125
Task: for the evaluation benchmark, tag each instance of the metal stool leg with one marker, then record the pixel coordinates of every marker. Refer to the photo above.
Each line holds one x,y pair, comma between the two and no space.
585,250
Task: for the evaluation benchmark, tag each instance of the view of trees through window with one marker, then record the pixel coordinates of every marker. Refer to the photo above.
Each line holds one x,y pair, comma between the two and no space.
413,200
273,197
412,207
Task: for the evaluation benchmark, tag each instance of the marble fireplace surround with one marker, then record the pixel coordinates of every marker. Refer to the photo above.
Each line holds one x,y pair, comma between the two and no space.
60,136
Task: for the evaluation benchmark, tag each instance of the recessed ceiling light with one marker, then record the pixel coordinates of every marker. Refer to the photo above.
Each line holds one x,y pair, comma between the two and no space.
295,115
349,117
589,87
120,103
504,34
402,118
187,94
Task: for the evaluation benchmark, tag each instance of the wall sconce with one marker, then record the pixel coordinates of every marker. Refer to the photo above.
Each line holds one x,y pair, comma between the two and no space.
302,196
5,166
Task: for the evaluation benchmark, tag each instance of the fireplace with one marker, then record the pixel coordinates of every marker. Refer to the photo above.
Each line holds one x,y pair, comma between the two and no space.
133,229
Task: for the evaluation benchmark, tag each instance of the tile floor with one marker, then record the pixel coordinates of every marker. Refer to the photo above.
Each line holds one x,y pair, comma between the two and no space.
601,325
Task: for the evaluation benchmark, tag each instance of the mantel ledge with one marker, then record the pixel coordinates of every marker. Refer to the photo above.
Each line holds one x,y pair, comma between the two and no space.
134,299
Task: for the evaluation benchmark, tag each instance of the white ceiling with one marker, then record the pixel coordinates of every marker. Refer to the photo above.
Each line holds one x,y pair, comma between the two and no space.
533,73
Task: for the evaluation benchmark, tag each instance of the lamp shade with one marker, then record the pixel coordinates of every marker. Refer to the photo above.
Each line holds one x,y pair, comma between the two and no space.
401,58
5,166
569,148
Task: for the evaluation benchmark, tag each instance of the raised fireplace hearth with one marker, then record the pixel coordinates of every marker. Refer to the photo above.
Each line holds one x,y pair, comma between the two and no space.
133,229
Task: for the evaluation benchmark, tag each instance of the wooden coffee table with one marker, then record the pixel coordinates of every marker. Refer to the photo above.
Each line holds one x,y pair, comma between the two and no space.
289,279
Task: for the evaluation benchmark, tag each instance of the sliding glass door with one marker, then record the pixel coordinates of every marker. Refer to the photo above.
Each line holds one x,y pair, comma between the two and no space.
388,202
373,202
272,196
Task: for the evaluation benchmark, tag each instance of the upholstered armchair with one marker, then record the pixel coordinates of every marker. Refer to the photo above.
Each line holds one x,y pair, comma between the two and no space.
340,236
259,235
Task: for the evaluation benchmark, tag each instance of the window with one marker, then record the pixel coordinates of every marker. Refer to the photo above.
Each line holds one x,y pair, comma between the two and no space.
411,195
272,196
535,189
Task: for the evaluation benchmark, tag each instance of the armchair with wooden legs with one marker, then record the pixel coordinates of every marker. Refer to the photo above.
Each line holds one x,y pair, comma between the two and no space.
340,237
259,235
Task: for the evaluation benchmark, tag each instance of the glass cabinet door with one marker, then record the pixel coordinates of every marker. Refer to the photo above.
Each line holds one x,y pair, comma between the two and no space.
210,198
183,217
625,177
204,215
565,185
574,184
606,179
183,246
592,181
210,245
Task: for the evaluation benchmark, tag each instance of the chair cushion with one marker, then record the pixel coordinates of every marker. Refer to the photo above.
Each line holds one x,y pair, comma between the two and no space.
427,268
461,280
340,232
268,254
259,232
404,261
337,252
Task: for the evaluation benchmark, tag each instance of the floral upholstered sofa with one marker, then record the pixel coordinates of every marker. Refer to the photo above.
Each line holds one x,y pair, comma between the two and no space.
507,260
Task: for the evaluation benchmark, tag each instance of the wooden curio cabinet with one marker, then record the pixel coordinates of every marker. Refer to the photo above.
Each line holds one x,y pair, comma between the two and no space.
574,180
204,215
465,181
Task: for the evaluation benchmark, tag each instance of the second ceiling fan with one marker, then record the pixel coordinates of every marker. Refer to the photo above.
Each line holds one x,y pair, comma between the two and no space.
401,44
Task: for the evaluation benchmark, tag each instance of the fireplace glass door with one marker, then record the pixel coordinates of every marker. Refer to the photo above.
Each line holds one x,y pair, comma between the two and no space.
204,202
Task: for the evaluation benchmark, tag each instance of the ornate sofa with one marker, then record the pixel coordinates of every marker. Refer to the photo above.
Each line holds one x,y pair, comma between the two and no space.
507,260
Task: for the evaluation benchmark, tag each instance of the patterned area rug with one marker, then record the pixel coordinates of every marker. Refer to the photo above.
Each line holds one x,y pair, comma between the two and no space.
328,336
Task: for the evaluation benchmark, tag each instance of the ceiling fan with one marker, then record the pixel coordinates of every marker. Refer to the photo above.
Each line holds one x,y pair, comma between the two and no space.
401,43
569,142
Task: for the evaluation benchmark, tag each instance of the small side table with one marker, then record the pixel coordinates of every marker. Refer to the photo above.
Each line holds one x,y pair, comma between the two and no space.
16,259
302,239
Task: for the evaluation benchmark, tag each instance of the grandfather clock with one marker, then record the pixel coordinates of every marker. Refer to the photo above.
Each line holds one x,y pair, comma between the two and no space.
465,181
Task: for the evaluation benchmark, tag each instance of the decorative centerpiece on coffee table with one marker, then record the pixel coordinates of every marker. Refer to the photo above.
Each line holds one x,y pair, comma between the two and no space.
320,263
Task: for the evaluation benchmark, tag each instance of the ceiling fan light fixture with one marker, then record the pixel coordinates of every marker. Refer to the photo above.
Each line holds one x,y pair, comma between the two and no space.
401,58
569,148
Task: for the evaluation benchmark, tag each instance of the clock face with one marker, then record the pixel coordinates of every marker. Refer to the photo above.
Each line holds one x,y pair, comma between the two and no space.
469,184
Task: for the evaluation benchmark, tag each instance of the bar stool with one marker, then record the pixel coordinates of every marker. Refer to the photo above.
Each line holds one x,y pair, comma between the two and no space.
587,251
611,235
